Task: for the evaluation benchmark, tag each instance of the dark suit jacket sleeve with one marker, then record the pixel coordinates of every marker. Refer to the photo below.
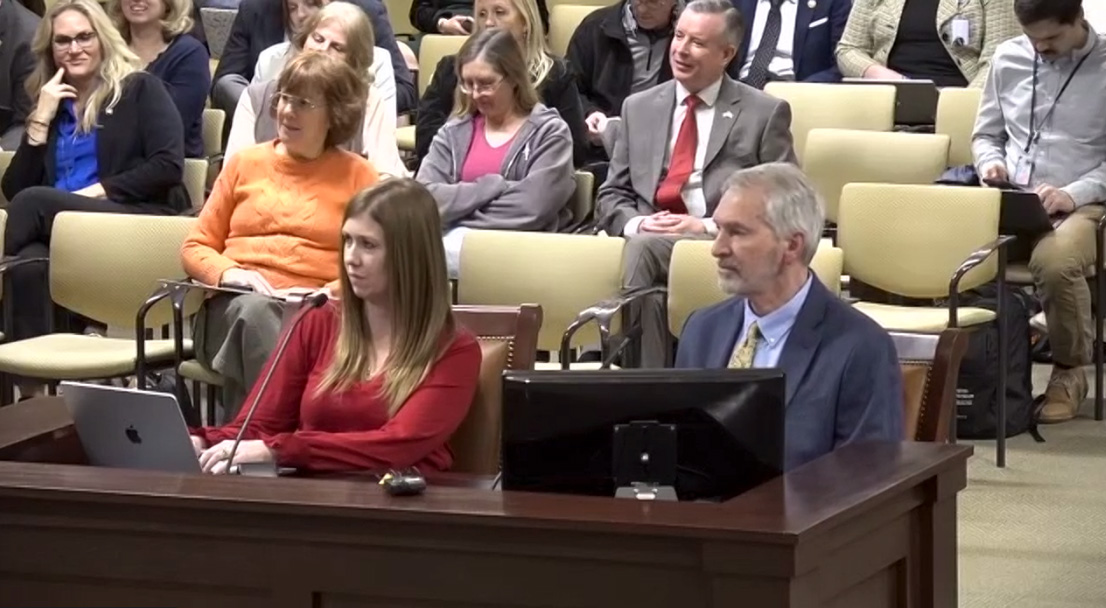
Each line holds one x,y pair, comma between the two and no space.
561,94
776,143
870,404
436,105
581,62
617,202
23,63
162,136
236,53
424,16
838,18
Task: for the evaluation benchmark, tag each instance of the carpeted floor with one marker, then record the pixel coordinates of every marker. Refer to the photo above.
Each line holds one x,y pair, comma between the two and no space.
1033,535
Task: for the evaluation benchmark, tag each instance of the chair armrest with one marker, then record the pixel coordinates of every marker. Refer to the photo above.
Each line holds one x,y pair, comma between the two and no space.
973,260
13,262
159,294
603,313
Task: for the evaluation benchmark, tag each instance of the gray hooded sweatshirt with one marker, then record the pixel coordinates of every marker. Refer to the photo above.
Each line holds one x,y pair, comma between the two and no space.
531,191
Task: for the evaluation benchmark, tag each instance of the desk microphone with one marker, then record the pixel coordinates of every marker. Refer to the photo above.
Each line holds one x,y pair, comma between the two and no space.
310,302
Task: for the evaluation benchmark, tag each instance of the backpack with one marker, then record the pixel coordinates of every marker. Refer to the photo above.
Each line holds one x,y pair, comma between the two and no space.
977,384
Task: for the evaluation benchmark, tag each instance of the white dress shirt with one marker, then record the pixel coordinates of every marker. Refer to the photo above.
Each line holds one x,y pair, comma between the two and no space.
692,192
783,63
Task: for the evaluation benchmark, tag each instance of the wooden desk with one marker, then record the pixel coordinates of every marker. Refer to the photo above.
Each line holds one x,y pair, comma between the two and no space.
868,526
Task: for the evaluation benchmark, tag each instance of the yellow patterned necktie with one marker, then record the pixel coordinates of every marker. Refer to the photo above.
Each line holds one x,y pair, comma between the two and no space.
743,355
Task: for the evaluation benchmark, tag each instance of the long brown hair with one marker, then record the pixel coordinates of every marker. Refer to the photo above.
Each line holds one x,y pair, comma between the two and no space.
343,89
422,320
499,49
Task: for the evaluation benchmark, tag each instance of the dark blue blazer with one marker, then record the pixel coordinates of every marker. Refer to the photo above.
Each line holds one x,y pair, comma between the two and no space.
815,47
844,383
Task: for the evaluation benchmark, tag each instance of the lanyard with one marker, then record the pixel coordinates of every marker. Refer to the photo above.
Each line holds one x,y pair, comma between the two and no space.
1034,133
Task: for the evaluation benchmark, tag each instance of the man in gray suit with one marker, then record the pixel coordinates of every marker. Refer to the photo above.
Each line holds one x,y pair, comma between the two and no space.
678,143
17,28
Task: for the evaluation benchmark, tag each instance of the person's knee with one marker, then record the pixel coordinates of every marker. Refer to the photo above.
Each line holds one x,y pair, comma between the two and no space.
646,258
259,317
226,92
1056,260
32,201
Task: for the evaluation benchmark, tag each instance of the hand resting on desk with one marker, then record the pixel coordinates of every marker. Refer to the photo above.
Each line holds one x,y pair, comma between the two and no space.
214,459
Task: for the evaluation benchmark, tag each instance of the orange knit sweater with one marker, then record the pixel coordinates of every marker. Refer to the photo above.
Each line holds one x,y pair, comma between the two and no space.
278,216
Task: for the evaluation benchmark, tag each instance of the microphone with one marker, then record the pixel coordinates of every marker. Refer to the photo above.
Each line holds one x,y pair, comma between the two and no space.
310,302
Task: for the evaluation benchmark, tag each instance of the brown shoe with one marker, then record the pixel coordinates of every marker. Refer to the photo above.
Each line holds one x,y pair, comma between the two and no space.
1067,388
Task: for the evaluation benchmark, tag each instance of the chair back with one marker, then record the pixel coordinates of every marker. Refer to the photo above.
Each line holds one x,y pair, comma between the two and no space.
582,203
563,21
217,23
835,157
195,181
5,161
563,273
693,278
860,107
508,341
956,112
213,132
432,48
399,12
909,240
930,366
105,265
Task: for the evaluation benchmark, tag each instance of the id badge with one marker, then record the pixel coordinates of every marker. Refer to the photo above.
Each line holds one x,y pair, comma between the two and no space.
961,31
1023,171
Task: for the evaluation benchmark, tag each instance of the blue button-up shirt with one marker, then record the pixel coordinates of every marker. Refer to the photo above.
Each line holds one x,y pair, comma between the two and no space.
75,161
775,327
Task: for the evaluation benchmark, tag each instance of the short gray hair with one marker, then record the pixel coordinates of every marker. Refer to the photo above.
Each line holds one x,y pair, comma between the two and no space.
791,204
735,27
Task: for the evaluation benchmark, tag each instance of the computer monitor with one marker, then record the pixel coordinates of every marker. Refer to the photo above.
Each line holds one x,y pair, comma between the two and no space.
583,432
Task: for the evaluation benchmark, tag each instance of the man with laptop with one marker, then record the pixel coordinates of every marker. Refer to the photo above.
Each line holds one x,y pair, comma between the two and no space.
1042,127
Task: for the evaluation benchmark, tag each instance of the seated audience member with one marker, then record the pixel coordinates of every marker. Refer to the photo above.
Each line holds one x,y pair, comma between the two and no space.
272,221
504,161
619,50
17,61
262,23
549,75
454,17
1042,126
336,27
379,380
791,40
157,31
844,383
342,31
102,137
950,42
678,143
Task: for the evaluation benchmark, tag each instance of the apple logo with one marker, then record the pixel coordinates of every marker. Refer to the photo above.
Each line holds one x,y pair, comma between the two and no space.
132,434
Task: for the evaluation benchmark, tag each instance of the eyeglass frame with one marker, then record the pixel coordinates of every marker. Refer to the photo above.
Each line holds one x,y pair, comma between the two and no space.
302,106
482,88
66,43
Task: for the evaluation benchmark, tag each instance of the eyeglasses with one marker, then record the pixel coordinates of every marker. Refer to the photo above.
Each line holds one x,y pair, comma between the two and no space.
84,40
298,104
475,88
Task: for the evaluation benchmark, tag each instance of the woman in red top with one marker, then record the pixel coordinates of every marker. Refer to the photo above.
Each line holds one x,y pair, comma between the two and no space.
379,380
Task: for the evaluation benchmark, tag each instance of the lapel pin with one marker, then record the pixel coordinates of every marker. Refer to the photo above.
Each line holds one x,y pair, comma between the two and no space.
727,114
811,3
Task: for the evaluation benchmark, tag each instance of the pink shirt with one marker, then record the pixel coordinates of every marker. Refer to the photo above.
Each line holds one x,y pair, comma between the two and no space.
483,158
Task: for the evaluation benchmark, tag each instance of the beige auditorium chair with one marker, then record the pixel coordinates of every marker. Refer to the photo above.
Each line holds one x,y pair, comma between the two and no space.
859,107
432,48
928,243
835,157
563,21
105,266
399,16
5,161
693,278
956,112
582,203
563,273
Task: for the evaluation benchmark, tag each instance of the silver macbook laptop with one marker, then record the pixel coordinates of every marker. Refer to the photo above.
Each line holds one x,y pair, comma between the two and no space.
130,429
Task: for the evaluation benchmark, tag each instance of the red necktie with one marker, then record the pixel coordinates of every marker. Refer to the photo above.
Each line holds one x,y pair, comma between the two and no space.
682,162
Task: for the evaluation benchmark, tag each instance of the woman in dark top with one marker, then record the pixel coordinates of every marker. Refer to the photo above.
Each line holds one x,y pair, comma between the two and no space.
550,76
950,42
156,31
102,137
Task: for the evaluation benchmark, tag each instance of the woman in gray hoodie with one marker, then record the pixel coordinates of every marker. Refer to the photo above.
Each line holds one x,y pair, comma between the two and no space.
504,160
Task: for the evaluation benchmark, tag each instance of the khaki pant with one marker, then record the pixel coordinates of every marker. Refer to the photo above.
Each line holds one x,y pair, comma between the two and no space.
1060,262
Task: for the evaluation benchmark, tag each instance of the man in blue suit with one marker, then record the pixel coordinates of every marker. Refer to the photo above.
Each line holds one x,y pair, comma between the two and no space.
790,40
842,373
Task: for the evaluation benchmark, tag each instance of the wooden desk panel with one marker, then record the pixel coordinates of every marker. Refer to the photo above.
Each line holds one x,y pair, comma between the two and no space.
870,525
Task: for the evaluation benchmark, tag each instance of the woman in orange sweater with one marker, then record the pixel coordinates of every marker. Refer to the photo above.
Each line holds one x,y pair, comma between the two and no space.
272,222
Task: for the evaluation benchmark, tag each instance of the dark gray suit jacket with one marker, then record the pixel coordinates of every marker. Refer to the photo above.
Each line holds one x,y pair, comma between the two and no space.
17,28
844,383
750,128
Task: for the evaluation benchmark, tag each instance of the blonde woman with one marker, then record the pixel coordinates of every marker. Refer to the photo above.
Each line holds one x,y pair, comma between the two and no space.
379,380
342,31
550,75
157,31
102,136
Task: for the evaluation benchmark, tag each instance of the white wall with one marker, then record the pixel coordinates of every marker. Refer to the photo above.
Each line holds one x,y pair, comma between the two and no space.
1096,14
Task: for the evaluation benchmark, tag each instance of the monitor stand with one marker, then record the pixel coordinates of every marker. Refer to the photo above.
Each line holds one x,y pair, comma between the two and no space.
643,461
